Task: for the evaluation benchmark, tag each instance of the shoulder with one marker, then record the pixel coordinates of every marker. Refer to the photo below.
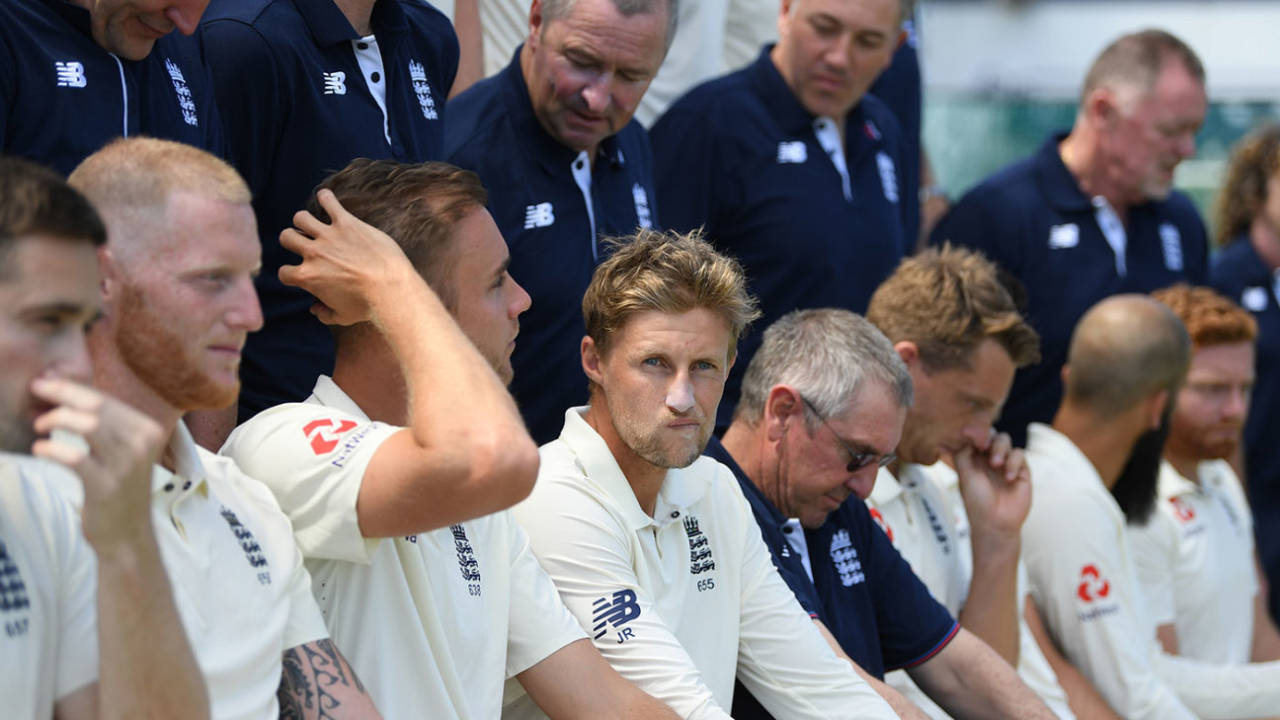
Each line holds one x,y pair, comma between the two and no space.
713,100
247,12
1180,209
875,111
477,118
1015,182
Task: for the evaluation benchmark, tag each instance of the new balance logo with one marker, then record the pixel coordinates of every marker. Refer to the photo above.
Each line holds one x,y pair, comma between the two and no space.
539,216
1254,299
792,152
700,559
421,88
70,74
252,551
335,83
615,611
185,102
1062,237
325,434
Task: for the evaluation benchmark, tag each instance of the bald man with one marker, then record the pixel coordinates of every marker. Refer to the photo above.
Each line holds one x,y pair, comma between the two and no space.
1094,470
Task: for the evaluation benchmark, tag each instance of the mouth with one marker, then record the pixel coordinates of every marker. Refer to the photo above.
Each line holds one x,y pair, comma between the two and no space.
156,31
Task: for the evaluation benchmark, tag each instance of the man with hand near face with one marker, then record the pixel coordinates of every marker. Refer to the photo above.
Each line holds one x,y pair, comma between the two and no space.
1095,471
822,409
81,73
1195,554
565,164
74,648
652,547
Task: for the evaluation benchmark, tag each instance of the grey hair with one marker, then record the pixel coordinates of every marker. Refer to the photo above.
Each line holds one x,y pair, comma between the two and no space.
827,355
557,9
1134,62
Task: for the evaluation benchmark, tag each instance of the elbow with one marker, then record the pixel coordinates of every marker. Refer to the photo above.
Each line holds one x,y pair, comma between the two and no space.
506,464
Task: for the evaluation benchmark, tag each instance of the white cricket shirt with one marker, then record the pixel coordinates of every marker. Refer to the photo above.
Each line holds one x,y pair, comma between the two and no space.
432,623
49,648
1195,560
682,601
238,581
942,557
1085,583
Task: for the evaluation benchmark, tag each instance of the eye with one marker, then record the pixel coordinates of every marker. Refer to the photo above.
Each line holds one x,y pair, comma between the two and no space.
652,362
825,27
704,365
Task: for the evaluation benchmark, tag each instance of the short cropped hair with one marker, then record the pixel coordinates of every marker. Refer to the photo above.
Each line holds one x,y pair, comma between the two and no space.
1135,61
35,200
947,301
141,172
1254,161
417,204
1210,318
828,356
557,9
669,272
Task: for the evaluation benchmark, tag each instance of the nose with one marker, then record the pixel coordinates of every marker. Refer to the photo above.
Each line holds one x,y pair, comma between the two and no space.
71,359
979,435
1237,405
186,16
245,313
839,52
520,300
863,481
597,92
1187,146
680,395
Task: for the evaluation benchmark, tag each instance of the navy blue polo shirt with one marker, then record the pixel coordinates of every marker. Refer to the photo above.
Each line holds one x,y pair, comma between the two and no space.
543,214
741,156
1033,220
899,87
297,108
62,96
878,610
1242,276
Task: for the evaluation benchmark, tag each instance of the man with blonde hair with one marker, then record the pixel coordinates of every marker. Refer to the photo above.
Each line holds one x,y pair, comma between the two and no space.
1195,554
653,547
177,288
1095,471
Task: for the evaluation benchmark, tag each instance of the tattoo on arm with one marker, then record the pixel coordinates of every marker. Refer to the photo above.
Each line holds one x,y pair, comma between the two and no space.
309,676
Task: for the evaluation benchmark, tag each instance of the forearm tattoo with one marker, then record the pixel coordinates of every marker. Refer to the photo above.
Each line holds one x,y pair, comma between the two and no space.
310,676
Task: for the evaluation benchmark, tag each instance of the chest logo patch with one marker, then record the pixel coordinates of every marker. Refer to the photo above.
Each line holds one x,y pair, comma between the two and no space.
792,152
335,83
700,559
1092,585
1182,510
1062,237
1254,299
615,611
888,176
13,592
539,216
644,217
249,544
421,88
884,524
467,563
844,556
1171,243
186,103
70,73
325,434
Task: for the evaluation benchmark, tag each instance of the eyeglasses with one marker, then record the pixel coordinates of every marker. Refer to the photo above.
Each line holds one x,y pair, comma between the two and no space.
858,459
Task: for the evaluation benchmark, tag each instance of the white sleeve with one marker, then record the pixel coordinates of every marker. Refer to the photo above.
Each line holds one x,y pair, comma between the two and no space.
77,599
313,459
782,658
539,624
583,548
1223,692
1074,557
1154,548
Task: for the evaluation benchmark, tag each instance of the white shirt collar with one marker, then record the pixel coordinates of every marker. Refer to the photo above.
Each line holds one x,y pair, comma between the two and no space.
327,393
186,463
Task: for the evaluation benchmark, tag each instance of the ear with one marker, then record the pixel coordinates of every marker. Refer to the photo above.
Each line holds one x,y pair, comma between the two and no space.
782,407
1154,410
535,23
1100,107
784,11
591,358
1065,374
909,352
902,40
108,275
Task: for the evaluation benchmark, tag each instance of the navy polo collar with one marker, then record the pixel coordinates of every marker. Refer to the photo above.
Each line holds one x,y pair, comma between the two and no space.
329,26
1059,184
551,154
75,15
757,499
785,107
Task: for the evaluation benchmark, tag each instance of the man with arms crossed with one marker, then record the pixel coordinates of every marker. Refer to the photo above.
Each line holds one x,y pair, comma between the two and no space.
1094,470
63,660
177,285
822,407
652,547
1195,554
413,432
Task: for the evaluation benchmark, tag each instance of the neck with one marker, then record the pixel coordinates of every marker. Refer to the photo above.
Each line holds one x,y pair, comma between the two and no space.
1079,152
746,445
644,477
1266,242
1107,443
114,377
366,369
1187,466
358,13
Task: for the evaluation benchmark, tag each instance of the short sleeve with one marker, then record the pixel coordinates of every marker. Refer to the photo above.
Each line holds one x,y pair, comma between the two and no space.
305,623
313,459
539,623
1155,555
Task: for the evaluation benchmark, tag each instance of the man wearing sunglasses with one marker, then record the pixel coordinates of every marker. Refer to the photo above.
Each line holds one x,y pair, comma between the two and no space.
822,408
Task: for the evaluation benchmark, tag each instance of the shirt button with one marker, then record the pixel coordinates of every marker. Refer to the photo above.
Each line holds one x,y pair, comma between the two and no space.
375,77
168,487
578,164
675,514
186,485
362,45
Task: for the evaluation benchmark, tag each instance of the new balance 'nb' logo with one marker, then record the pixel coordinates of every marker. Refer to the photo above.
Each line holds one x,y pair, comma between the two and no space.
539,216
616,610
335,83
792,152
70,74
